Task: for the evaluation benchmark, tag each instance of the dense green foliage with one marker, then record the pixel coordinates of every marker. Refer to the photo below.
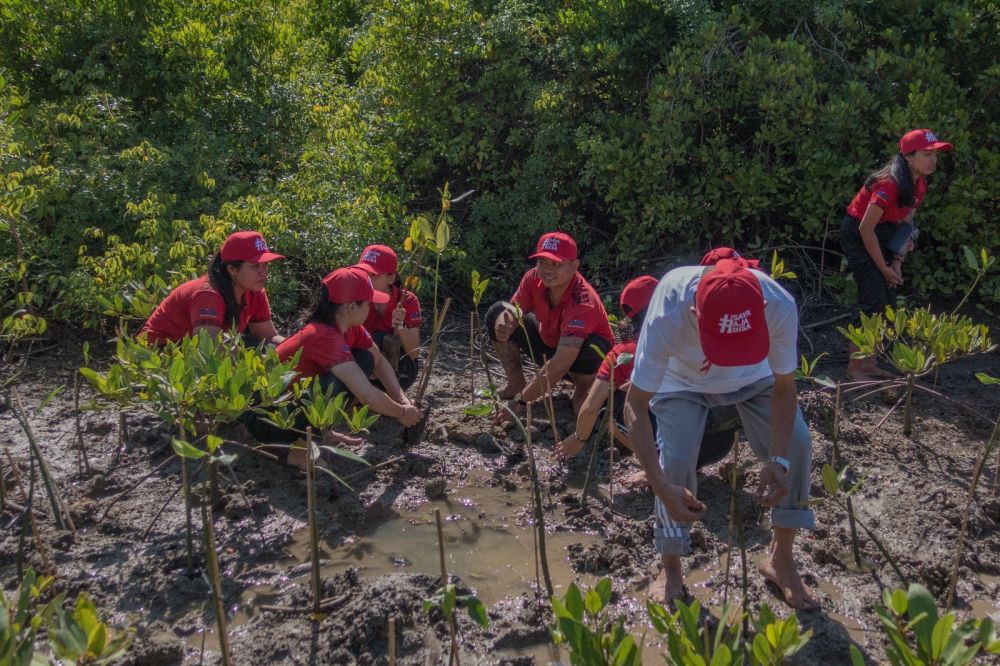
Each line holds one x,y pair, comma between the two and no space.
135,135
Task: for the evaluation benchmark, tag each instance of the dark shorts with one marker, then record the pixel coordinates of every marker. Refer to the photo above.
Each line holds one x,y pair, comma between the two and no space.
268,433
407,369
873,292
587,362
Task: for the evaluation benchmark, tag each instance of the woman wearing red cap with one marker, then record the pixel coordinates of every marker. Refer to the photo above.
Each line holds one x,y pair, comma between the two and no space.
877,231
400,316
232,294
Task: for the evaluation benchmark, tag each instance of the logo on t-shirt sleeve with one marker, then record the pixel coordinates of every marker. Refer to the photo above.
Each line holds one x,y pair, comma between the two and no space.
575,323
882,195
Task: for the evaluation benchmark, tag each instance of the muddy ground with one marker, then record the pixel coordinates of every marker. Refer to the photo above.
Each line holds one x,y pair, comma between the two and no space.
379,540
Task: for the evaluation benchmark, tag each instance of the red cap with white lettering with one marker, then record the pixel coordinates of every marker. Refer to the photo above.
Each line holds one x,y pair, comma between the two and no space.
730,308
247,246
556,246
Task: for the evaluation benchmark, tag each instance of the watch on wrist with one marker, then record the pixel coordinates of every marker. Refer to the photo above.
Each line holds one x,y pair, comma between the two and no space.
781,461
519,399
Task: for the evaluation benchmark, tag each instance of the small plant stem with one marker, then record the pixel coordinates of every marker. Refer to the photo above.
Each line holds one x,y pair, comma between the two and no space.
855,544
835,427
550,406
452,630
611,437
908,406
969,498
313,528
32,523
432,353
213,569
392,641
472,353
62,519
186,485
593,459
117,498
159,513
744,581
539,516
732,517
881,548
83,463
3,488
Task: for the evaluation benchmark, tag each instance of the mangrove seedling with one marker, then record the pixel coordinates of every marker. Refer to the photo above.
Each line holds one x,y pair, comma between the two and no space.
478,289
582,627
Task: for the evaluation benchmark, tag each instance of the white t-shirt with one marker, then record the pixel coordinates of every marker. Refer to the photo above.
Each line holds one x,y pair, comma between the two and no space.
669,357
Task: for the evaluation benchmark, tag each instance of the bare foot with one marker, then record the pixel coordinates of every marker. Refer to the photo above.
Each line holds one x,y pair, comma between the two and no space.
665,591
508,392
332,437
787,579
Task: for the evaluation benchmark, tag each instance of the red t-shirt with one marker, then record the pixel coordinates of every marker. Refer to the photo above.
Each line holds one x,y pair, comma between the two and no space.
884,194
578,314
197,303
383,322
623,372
323,346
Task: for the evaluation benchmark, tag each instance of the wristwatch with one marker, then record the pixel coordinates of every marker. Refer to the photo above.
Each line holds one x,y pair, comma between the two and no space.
519,399
781,461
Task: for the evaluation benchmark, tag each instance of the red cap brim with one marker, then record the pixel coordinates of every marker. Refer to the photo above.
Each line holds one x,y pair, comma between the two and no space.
548,255
940,145
367,268
379,297
268,256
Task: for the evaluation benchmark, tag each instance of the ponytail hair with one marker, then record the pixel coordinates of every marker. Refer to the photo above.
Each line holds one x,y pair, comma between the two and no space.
898,171
222,282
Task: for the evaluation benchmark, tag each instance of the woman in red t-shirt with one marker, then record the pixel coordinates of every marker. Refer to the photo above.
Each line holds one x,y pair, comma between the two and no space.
337,350
399,317
869,234
231,294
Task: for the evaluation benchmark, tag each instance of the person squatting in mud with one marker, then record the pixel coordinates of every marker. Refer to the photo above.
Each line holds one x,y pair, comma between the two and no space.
231,294
878,231
563,318
337,350
394,325
721,335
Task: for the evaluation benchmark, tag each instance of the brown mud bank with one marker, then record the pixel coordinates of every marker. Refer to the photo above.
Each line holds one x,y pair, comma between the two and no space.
379,543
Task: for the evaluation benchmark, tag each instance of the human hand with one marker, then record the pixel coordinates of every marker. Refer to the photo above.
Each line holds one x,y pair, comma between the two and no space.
568,447
410,416
503,417
398,315
506,323
892,278
772,485
681,504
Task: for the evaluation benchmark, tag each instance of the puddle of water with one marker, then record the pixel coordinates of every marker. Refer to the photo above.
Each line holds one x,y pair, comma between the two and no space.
829,589
855,629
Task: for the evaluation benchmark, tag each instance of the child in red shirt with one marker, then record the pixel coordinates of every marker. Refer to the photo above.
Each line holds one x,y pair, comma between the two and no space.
563,318
231,294
889,198
399,317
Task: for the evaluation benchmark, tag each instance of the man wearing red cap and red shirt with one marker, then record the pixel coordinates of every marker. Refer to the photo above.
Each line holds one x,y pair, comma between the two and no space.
721,335
563,317
400,316
232,294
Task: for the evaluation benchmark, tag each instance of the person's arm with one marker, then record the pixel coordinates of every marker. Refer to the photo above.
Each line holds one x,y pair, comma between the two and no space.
596,398
554,369
680,503
410,339
867,231
265,330
784,404
357,382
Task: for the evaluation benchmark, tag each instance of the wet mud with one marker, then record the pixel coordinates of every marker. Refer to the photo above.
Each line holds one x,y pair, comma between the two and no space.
379,541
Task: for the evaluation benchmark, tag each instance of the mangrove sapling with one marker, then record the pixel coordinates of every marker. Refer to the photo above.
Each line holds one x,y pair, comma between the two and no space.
981,461
446,599
82,462
582,627
478,289
61,517
918,635
537,497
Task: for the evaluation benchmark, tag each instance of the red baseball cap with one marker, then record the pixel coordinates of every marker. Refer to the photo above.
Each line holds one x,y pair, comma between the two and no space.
636,294
378,260
921,139
716,255
556,246
731,323
247,246
347,285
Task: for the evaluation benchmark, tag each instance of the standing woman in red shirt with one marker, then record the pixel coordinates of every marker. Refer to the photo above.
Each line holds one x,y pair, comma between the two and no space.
232,294
400,316
870,233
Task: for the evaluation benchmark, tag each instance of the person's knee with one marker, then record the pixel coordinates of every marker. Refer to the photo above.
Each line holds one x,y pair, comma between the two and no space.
492,314
365,360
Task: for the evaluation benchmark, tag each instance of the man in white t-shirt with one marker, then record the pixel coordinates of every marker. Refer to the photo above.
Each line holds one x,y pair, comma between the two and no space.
721,335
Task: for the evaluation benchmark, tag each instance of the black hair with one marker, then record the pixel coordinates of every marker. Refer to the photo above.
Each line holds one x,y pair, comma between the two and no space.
898,171
325,311
222,282
630,332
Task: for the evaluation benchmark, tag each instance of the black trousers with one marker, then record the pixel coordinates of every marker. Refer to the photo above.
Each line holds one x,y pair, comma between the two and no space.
873,292
587,362
268,433
408,368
